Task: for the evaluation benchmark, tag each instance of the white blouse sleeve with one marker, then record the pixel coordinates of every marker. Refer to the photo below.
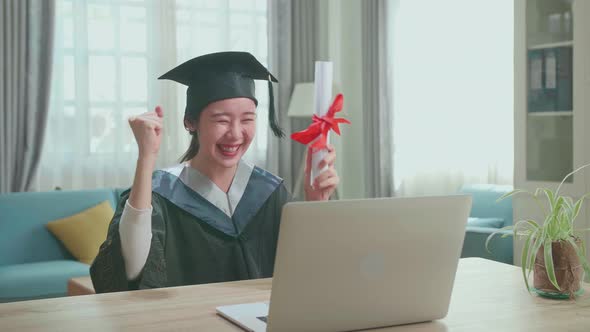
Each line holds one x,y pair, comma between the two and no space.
135,230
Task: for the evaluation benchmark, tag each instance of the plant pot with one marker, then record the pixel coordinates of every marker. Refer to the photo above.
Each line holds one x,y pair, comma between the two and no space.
568,272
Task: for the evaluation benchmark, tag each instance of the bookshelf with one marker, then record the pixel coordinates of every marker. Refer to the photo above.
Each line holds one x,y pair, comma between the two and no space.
551,99
546,116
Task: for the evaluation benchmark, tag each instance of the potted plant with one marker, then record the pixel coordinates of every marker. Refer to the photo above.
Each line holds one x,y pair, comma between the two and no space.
551,249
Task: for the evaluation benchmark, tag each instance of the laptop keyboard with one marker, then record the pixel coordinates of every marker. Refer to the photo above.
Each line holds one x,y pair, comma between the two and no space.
263,318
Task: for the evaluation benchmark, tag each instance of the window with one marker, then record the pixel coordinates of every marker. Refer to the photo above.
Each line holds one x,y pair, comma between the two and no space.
452,94
106,60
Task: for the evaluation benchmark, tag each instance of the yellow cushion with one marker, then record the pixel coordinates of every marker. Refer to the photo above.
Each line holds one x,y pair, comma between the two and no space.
83,233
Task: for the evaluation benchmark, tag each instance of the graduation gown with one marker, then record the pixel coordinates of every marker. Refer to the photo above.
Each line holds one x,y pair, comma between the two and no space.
193,240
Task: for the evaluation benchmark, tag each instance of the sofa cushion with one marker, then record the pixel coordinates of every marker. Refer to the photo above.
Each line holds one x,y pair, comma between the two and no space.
23,235
485,222
38,280
485,201
84,232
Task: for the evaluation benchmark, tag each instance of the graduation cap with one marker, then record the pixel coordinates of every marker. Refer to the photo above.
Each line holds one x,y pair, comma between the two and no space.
223,75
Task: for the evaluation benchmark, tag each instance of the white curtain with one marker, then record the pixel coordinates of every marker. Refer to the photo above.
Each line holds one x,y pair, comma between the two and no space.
377,92
108,55
26,36
452,94
294,47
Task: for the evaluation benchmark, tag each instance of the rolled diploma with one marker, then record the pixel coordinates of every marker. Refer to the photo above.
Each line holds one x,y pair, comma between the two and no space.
322,101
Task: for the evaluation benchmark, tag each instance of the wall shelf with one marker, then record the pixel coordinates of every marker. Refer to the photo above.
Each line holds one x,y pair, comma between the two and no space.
551,45
560,113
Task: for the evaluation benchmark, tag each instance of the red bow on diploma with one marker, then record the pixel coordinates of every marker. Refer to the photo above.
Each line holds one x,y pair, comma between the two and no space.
321,126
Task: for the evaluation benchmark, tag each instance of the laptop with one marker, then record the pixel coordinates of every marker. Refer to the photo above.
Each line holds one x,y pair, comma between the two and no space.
358,264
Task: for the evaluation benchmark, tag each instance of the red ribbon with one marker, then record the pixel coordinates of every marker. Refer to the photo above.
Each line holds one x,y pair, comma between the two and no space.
321,126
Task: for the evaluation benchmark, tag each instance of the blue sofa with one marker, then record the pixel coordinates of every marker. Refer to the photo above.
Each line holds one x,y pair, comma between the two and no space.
33,263
485,207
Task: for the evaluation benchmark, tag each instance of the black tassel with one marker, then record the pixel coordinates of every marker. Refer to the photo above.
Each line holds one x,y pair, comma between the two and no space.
274,125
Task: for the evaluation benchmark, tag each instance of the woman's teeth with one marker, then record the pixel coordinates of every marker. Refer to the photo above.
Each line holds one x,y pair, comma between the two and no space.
229,148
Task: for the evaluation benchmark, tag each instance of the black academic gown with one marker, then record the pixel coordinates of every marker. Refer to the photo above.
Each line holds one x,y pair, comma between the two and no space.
193,242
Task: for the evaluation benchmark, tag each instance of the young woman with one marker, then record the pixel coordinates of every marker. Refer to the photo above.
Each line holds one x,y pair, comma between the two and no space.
213,217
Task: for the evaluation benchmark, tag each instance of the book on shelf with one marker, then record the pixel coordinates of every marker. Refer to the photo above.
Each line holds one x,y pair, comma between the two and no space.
550,79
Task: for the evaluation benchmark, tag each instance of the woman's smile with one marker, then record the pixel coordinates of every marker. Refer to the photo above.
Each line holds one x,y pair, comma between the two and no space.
228,150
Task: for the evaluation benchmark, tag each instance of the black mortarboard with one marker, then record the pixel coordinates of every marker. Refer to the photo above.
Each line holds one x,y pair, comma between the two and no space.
223,75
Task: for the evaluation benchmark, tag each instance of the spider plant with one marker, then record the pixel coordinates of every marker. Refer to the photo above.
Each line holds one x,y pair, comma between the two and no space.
557,226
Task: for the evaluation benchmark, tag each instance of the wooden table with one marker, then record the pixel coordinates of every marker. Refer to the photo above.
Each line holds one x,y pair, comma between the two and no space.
488,296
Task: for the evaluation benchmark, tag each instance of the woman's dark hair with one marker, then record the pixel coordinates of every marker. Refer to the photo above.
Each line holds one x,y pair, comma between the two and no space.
193,148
